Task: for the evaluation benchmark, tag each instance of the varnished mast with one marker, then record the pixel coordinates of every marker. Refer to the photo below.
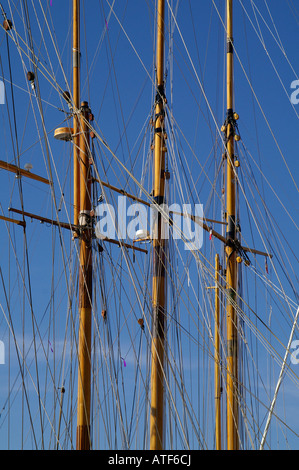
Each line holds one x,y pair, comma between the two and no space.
76,101
82,207
232,340
217,358
159,246
85,288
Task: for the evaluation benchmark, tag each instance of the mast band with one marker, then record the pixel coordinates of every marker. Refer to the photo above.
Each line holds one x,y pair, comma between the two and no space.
160,96
76,58
230,48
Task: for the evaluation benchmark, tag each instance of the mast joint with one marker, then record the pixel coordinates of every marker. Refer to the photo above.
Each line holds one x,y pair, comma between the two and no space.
231,122
160,96
237,247
229,46
231,118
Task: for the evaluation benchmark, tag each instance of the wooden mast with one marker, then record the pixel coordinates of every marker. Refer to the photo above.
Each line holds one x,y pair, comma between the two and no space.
232,340
159,246
217,358
85,288
82,207
76,104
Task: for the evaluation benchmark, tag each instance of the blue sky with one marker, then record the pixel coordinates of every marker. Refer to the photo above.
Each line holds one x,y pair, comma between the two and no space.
120,90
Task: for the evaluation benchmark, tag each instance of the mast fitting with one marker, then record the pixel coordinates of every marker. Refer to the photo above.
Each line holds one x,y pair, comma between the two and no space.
7,25
160,96
231,120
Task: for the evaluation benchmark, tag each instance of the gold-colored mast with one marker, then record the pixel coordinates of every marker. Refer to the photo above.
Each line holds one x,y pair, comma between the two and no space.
76,101
217,358
159,246
232,340
85,288
82,208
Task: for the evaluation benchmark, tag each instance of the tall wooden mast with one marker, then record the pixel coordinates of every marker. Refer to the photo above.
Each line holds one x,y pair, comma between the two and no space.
159,246
85,288
82,207
231,269
76,101
217,358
